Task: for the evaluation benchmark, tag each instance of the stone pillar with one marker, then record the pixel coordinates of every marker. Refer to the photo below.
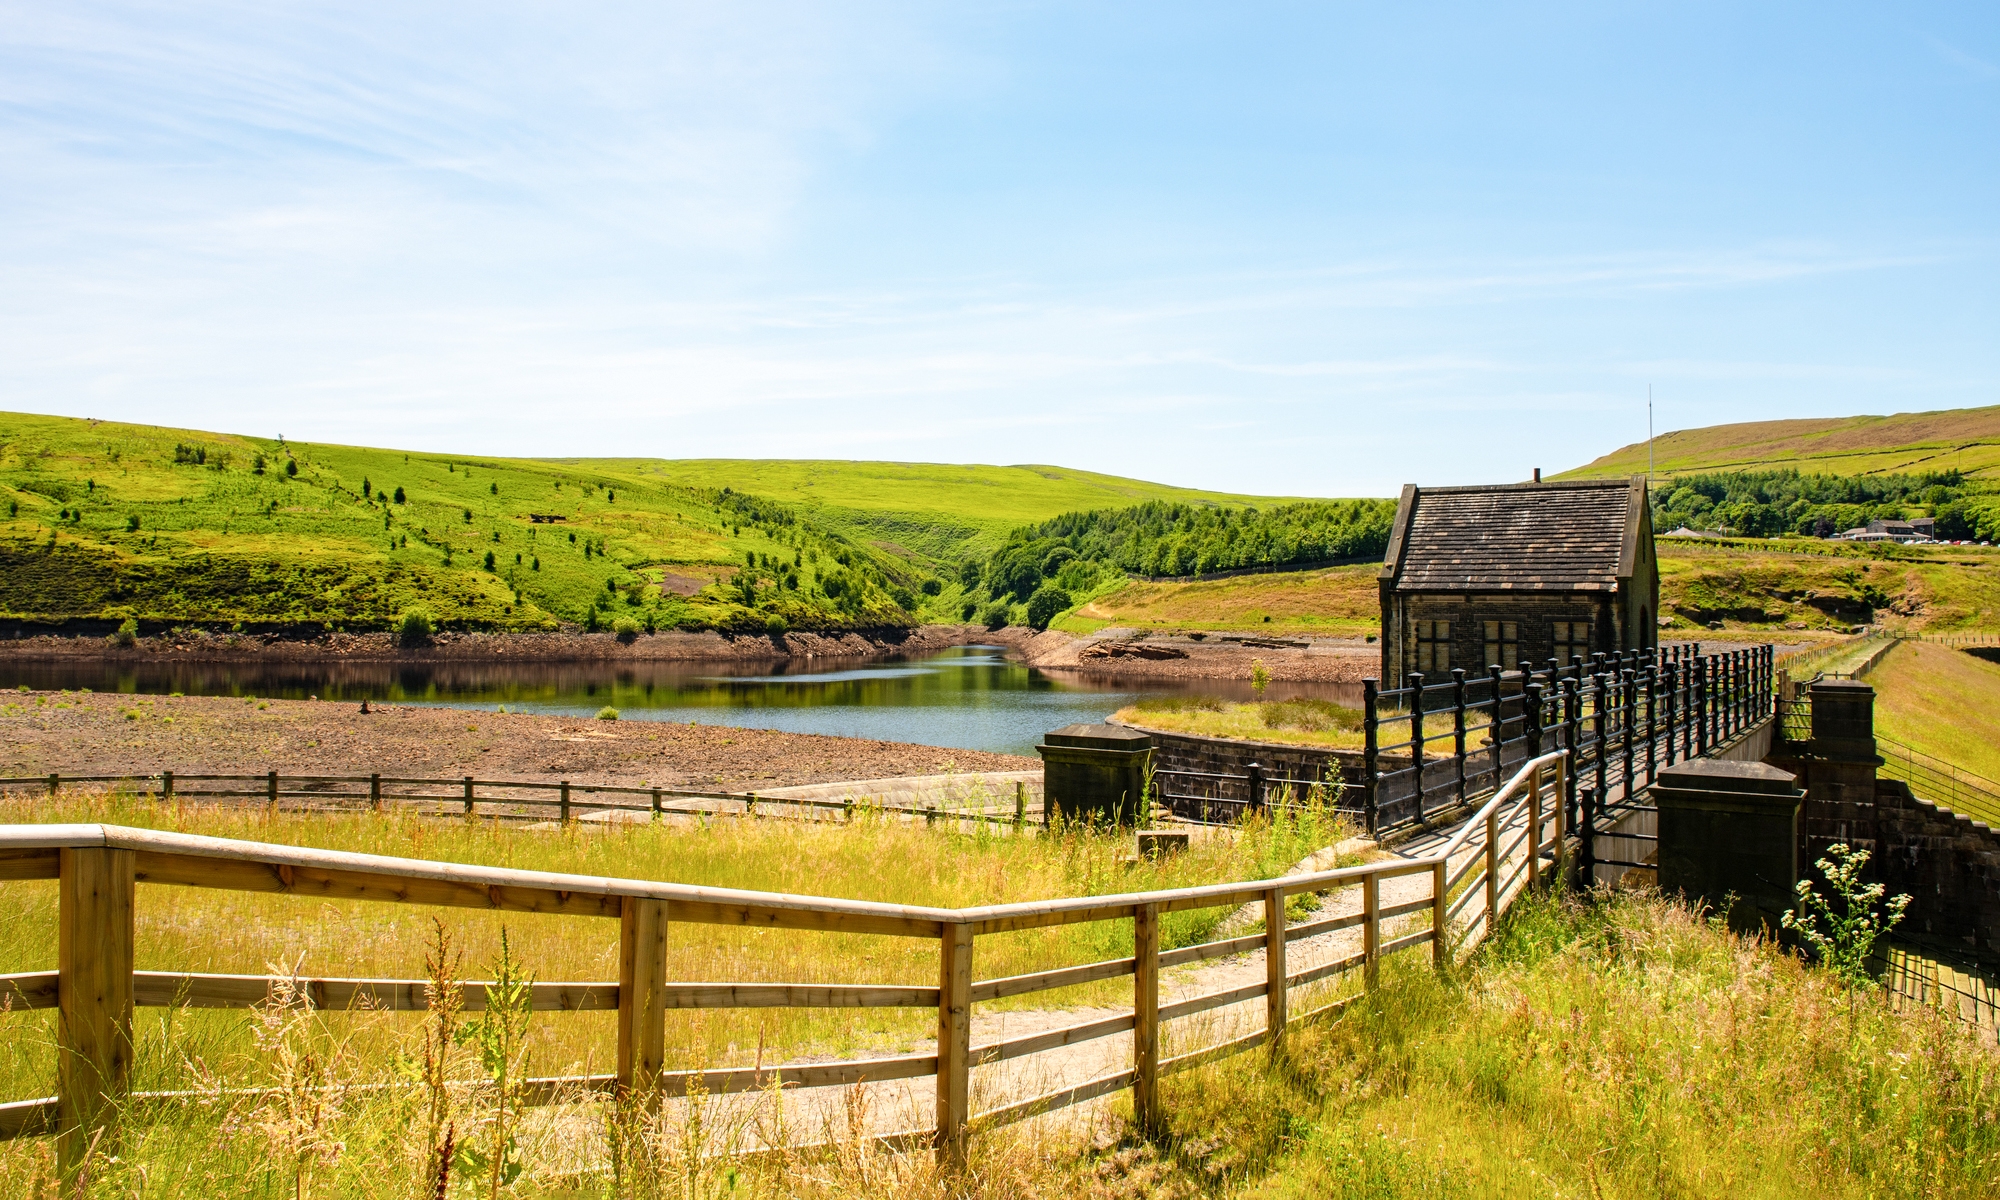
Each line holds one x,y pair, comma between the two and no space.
1840,769
1730,828
1095,773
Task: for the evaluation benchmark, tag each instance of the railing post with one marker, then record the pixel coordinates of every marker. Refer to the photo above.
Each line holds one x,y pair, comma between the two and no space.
1498,732
55,784
95,924
1701,707
1371,767
1414,681
954,1043
1652,724
1573,702
1673,730
1253,785
1531,714
375,792
1535,825
565,802
1275,970
1371,927
271,790
1458,726
167,787
468,795
642,996
1594,797
1629,682
1146,1016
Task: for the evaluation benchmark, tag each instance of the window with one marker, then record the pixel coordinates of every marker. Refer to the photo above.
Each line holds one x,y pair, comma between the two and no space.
1434,648
1572,640
1503,644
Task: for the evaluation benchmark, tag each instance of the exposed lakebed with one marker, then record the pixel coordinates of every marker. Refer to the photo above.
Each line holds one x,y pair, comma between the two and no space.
971,697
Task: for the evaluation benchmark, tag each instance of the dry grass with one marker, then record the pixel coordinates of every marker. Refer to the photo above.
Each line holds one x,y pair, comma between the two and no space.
1291,723
1341,601
1942,702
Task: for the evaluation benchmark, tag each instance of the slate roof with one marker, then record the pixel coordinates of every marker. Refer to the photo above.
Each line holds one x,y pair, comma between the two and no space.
1519,537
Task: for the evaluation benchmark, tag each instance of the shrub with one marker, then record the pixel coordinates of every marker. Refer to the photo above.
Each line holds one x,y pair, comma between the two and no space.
132,523
415,629
1260,676
968,610
626,628
995,614
256,464
775,625
607,713
292,467
128,632
489,560
1045,604
931,587
400,498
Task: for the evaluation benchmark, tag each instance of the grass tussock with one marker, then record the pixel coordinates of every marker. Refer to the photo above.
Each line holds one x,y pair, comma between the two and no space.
1304,722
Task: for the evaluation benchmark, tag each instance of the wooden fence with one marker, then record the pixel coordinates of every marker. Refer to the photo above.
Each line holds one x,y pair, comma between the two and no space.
1511,843
512,799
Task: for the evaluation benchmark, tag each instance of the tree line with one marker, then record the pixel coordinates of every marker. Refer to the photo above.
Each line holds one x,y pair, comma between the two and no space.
1774,503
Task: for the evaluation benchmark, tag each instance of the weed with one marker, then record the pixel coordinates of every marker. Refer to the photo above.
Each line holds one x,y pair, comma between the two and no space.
1843,938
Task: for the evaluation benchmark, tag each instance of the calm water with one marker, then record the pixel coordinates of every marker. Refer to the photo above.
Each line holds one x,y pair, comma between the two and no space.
970,697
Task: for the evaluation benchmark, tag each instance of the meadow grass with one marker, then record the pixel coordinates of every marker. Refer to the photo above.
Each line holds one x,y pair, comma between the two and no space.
1941,702
186,929
1966,439
1337,602
1603,1045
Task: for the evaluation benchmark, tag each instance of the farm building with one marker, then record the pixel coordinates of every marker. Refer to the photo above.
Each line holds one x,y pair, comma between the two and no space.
1515,574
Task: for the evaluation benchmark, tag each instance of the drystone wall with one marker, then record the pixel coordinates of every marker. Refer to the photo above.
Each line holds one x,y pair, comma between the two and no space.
1948,864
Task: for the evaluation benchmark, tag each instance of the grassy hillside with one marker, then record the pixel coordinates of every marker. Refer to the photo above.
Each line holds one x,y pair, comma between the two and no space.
169,526
1940,701
1964,439
942,510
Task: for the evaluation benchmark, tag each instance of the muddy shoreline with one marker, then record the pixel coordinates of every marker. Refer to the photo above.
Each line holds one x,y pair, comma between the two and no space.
107,734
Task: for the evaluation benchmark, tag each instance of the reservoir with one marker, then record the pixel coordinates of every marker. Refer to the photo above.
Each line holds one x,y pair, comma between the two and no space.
970,697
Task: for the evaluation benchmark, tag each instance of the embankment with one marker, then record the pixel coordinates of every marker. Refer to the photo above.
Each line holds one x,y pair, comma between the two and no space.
1198,655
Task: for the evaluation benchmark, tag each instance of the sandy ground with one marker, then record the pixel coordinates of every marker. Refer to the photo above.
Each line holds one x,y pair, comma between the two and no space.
92,734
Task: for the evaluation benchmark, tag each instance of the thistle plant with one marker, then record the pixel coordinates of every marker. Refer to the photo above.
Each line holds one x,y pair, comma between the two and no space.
432,1068
1841,930
500,1034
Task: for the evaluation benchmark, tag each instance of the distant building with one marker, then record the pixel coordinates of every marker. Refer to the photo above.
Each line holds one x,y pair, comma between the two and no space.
1520,573
1891,529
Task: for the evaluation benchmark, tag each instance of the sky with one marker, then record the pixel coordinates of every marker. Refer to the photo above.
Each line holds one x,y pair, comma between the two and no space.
1314,249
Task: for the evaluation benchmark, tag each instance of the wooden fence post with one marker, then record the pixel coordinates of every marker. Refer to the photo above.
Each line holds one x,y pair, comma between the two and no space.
375,792
1275,999
954,1043
1440,931
55,784
1493,870
656,804
271,790
1371,926
1535,827
93,997
642,1001
167,787
565,802
1146,1016
1020,803
468,795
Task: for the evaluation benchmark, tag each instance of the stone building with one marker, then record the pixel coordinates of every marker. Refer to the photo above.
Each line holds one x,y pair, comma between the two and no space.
1514,574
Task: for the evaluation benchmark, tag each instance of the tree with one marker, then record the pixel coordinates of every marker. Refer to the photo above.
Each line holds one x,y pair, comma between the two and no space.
400,498
1046,604
292,467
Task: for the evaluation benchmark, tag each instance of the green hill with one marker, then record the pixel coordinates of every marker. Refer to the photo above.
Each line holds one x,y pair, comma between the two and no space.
1964,439
171,526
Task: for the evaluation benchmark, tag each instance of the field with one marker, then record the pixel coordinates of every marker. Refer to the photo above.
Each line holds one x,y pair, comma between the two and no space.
1338,602
1966,439
1941,702
1609,1046
1292,722
108,521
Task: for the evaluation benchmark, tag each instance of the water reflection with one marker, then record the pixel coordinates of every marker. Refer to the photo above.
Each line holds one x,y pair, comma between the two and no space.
971,697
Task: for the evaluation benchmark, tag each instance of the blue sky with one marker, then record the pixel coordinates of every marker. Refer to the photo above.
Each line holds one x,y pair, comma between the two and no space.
1302,249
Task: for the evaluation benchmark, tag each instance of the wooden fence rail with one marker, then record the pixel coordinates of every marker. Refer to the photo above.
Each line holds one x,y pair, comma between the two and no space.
502,796
1515,840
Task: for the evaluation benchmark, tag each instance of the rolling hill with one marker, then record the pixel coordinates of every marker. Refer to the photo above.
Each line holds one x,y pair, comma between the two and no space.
108,521
1964,439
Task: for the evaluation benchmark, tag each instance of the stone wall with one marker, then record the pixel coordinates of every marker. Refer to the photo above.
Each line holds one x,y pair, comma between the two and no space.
1948,864
1227,756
